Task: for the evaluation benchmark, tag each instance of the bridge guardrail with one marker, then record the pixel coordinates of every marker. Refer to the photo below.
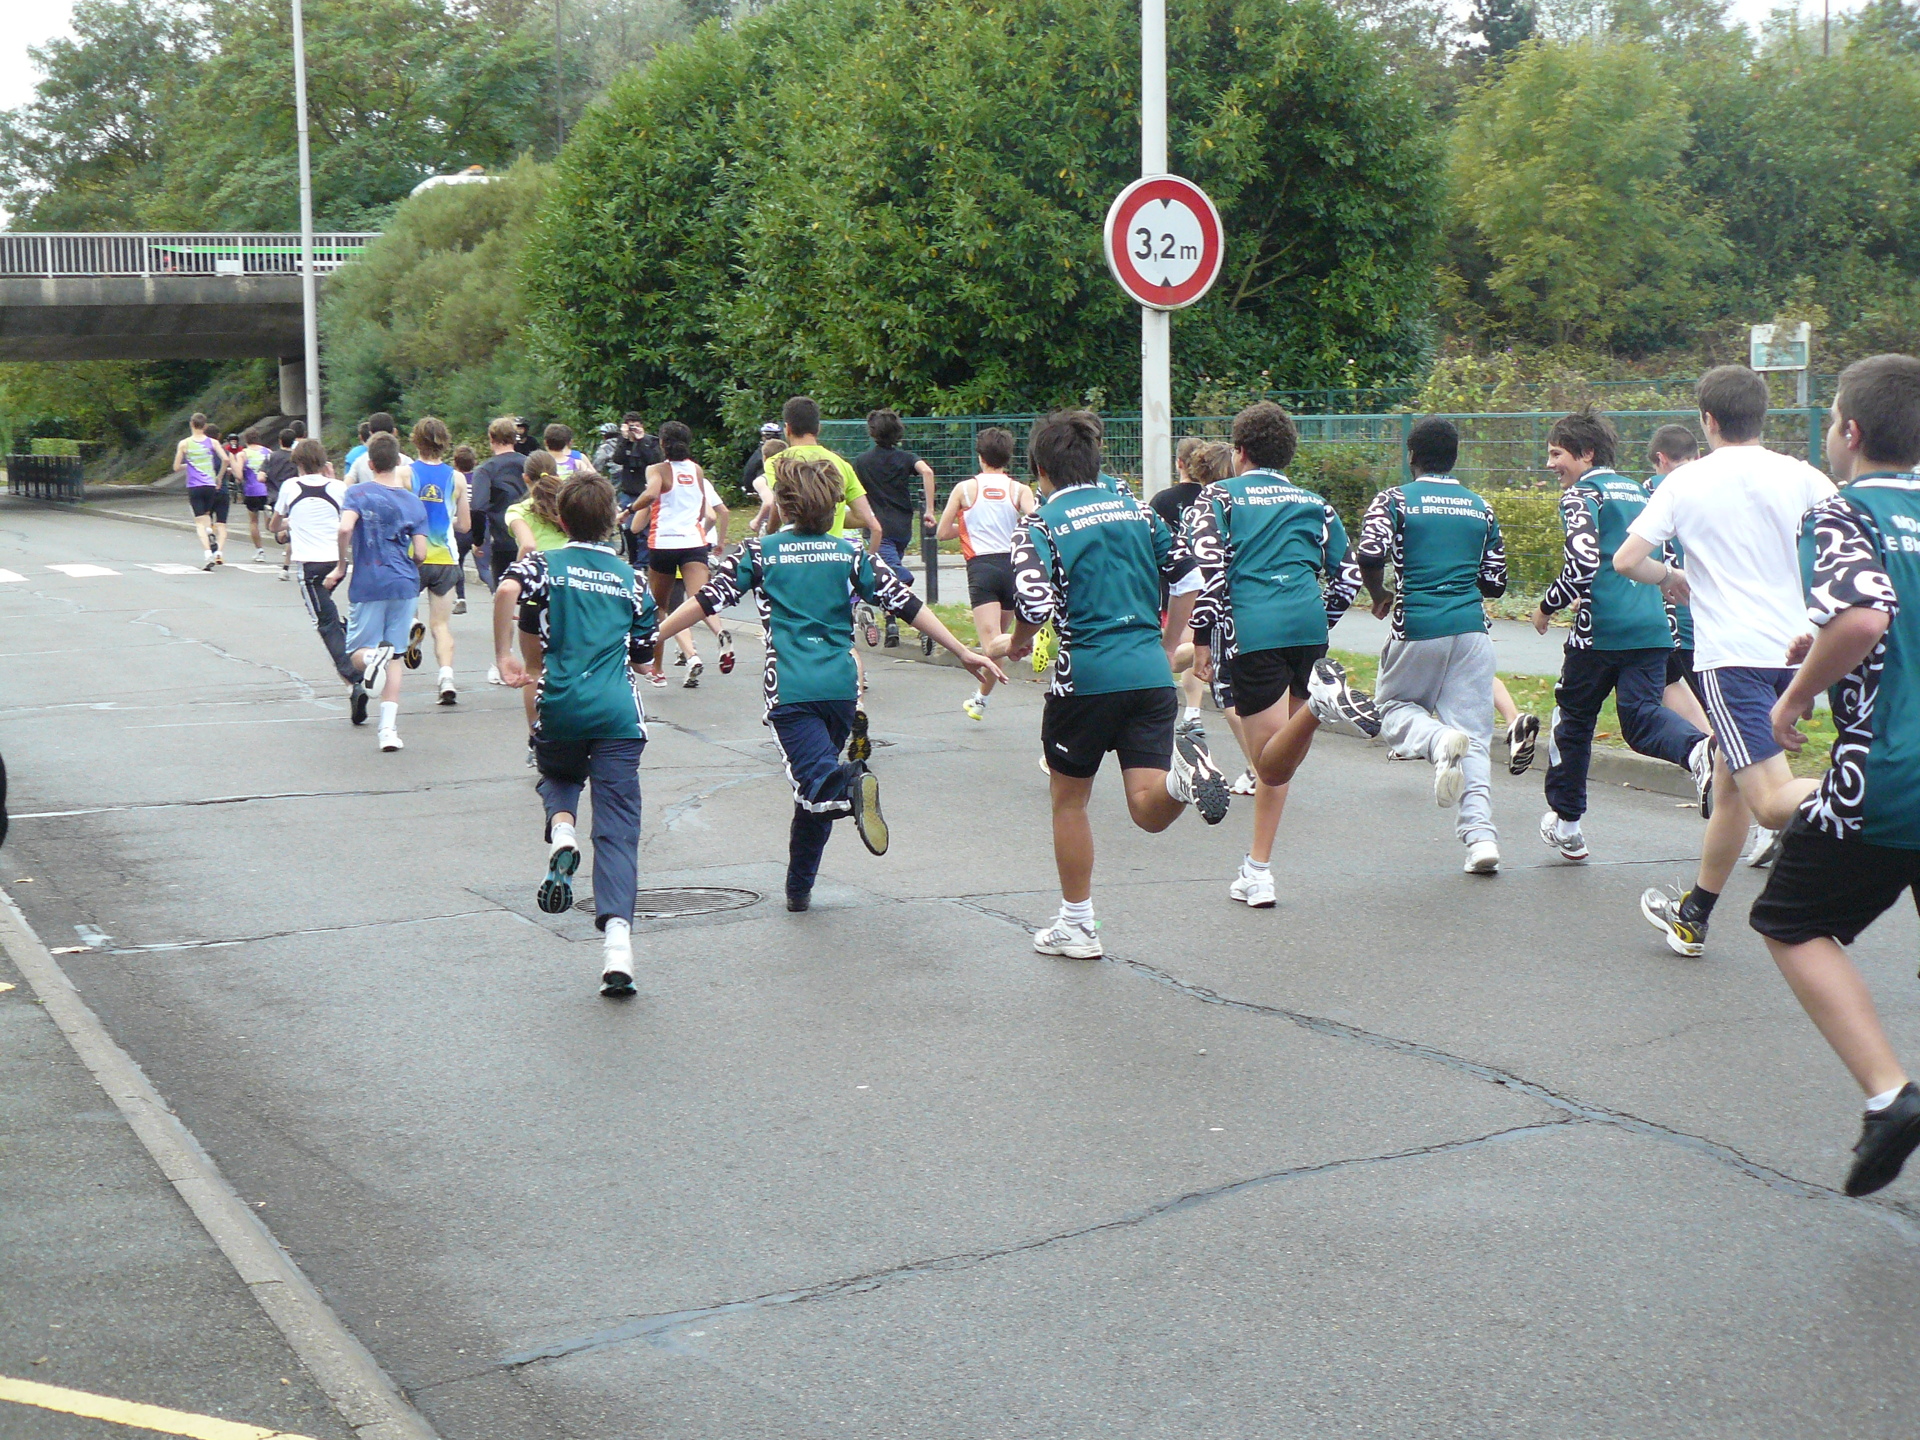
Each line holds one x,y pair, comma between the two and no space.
60,256
46,477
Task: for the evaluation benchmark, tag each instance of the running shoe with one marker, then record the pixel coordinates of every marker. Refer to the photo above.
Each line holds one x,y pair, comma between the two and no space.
1564,836
259,556
799,902
1700,765
975,705
1046,646
1522,735
1684,937
616,961
1255,887
449,693
493,675
859,747
680,659
374,678
460,605
556,891
357,703
1247,784
655,677
1887,1137
285,573
1483,858
1764,849
1195,774
867,819
694,672
868,622
1191,727
1337,704
726,652
390,740
893,633
926,644
533,754
414,637
218,558
210,561
1449,777
1070,939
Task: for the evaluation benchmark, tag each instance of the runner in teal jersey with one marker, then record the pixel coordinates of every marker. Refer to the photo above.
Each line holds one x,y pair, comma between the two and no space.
1852,849
1092,562
802,578
443,492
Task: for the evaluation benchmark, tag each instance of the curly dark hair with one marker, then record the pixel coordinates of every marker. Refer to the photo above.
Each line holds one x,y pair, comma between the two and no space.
1264,433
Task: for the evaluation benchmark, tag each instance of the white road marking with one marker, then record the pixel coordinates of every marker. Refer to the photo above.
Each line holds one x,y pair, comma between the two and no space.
172,569
257,569
83,572
8,577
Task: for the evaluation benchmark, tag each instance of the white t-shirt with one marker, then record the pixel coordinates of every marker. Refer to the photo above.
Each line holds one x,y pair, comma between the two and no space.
1736,511
313,524
361,473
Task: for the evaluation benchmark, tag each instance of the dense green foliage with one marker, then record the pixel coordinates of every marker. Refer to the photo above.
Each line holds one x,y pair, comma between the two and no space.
884,200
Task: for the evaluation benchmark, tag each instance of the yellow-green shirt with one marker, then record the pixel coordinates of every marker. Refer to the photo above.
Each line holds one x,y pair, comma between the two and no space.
854,489
546,536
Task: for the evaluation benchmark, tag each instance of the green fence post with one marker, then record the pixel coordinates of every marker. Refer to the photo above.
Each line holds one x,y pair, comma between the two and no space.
1406,434
1814,416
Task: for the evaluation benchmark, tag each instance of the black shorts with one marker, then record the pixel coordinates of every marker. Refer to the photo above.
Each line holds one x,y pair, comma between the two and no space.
501,554
1256,680
1823,888
990,580
1076,731
257,503
438,579
1680,667
209,500
668,562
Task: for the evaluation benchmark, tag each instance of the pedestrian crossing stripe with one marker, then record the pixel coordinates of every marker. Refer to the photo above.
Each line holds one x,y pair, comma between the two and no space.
154,1419
172,569
83,572
10,577
257,569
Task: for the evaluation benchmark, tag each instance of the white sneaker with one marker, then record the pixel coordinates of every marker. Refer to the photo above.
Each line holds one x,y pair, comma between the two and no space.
493,675
975,705
449,693
1065,937
1195,780
1564,836
207,560
259,556
1763,848
390,740
1255,887
1337,705
616,959
1700,765
1247,784
1483,858
1449,779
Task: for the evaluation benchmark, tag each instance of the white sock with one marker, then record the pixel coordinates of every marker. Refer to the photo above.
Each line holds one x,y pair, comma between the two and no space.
563,834
1885,1098
618,935
1192,712
446,672
1256,867
1080,912
981,696
389,714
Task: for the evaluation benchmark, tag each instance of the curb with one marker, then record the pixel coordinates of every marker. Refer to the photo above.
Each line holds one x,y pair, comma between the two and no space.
366,1397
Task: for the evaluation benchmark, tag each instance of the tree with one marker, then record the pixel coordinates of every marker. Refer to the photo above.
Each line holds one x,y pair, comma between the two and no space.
1502,25
881,200
1894,24
1567,173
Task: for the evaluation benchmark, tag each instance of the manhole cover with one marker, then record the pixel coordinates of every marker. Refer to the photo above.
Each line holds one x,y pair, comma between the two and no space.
687,900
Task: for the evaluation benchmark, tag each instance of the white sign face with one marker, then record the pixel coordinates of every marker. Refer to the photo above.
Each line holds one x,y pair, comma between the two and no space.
1163,241
1779,347
1166,243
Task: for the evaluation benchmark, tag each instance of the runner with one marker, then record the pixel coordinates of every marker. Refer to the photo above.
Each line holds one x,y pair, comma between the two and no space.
534,520
800,577
1275,562
364,430
472,540
281,468
1171,505
307,513
888,472
983,513
1737,510
443,495
1091,561
499,483
634,453
1208,465
383,528
800,423
1622,641
359,471
1436,696
205,465
567,461
251,466
584,621
1853,845
686,526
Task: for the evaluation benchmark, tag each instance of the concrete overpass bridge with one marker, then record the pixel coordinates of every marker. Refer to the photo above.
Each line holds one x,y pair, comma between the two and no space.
162,297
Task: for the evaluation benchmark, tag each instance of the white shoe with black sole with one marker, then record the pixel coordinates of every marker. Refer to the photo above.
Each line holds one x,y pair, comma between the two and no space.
616,960
1337,705
1197,781
1449,776
1700,766
390,740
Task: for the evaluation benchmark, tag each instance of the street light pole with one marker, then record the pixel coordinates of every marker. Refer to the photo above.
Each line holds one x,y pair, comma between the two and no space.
309,316
1156,326
559,87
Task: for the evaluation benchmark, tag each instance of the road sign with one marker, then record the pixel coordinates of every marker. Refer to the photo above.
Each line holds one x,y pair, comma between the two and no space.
1779,347
1164,242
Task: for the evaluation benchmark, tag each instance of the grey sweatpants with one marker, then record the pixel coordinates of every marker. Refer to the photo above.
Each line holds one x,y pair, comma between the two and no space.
1431,686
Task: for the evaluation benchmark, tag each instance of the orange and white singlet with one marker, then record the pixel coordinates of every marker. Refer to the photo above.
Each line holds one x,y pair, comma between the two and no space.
987,525
677,511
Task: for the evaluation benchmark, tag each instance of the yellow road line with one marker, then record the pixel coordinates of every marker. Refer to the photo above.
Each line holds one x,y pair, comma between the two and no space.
128,1412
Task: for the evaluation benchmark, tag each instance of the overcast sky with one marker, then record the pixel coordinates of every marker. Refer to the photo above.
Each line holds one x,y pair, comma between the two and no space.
33,22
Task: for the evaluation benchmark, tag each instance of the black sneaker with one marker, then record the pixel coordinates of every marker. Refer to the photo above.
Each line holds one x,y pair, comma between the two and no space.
893,633
926,644
867,819
357,704
859,747
801,901
1887,1137
414,637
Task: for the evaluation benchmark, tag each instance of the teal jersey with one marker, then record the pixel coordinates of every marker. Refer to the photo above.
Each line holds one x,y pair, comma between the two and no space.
1264,547
596,621
1681,616
804,586
438,488
1612,612
1444,543
1091,560
1861,549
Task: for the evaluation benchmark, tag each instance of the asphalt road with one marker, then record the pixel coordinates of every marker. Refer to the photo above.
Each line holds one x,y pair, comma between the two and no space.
1414,1154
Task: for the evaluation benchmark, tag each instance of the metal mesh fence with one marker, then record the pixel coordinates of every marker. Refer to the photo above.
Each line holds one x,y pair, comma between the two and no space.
1350,458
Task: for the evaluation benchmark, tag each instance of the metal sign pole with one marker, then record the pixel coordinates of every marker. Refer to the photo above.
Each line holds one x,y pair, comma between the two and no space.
1156,326
309,317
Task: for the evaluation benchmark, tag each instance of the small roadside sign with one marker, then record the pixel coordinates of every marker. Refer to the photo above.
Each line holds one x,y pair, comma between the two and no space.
1779,347
1164,242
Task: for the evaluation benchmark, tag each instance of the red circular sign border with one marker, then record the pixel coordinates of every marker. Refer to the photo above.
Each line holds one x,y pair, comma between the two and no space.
1127,204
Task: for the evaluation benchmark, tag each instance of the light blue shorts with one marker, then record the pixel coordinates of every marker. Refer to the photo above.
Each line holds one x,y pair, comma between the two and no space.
378,622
